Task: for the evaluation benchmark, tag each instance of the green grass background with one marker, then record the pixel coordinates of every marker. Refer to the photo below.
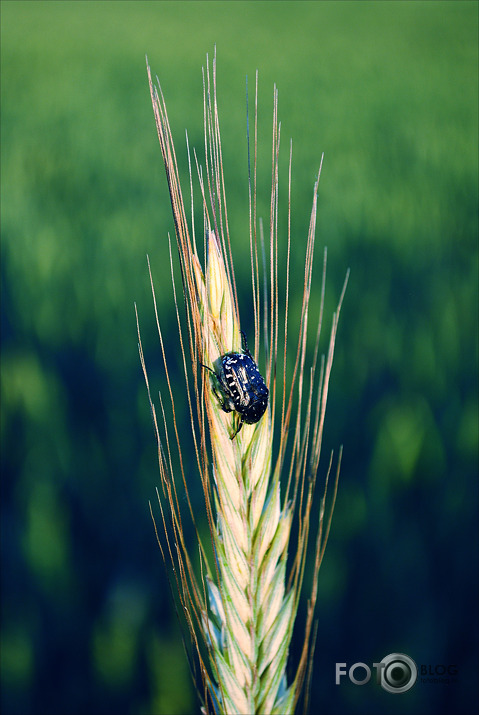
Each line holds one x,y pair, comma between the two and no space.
388,90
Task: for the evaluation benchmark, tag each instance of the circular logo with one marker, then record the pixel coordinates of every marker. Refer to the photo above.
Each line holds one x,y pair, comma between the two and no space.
399,673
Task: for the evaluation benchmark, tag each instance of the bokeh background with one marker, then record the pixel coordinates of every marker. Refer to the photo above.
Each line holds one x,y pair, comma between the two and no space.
388,91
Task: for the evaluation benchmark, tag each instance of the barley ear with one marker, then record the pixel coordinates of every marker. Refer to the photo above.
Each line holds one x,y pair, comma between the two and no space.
239,599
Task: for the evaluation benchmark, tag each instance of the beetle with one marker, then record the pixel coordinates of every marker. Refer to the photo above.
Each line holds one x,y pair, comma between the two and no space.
240,386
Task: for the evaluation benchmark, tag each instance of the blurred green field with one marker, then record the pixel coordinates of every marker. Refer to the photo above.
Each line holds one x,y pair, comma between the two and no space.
388,90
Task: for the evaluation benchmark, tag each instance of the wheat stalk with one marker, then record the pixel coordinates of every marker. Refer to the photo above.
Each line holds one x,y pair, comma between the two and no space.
240,611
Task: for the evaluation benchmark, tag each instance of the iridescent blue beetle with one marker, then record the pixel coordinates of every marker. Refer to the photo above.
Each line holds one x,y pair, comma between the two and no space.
240,387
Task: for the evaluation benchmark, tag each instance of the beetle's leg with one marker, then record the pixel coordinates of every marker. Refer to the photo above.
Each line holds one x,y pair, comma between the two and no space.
222,404
237,429
220,399
245,344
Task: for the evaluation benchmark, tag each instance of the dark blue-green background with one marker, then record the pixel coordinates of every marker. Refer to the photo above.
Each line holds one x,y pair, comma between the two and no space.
389,92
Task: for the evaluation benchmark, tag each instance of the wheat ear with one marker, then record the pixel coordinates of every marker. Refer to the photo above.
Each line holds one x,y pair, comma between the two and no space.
240,611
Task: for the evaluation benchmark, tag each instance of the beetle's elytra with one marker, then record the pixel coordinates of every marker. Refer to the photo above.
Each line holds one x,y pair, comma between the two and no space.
240,386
